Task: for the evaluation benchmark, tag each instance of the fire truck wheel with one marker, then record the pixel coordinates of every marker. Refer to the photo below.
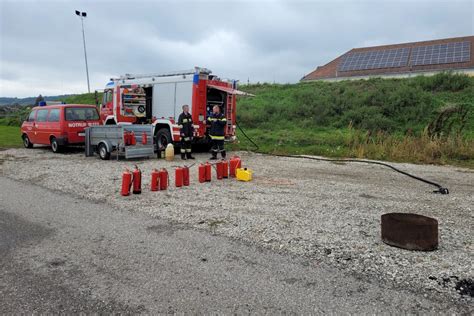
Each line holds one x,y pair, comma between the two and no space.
103,152
163,137
54,145
26,142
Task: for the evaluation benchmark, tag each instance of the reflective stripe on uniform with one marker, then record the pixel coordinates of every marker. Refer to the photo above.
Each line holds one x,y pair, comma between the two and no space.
188,150
183,151
217,137
223,119
212,119
180,126
187,139
186,120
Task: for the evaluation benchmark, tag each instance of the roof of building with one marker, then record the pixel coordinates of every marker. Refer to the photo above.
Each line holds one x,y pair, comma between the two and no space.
434,55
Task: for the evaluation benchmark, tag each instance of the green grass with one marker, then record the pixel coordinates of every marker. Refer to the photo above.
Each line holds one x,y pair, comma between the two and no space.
10,137
391,105
86,98
352,143
327,142
15,118
384,119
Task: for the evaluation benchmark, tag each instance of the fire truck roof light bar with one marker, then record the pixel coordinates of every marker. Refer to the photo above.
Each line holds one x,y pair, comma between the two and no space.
196,70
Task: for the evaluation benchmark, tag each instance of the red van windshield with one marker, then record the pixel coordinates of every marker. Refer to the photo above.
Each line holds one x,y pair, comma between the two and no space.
81,114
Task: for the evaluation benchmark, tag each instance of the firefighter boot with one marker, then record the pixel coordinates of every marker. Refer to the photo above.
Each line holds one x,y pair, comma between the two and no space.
189,156
223,154
214,156
183,156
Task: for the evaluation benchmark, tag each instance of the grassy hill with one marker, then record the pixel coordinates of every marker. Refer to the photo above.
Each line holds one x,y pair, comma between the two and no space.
421,119
86,98
391,105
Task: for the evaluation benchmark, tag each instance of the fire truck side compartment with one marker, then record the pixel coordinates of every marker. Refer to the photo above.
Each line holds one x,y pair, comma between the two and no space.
163,96
149,105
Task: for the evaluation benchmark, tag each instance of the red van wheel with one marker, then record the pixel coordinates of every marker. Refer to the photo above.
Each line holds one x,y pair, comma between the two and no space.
26,142
54,145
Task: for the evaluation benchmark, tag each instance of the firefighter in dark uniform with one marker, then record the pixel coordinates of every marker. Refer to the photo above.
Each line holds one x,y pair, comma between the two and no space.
217,122
185,123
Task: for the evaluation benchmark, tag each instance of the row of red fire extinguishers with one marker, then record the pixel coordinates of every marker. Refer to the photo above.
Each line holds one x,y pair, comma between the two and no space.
160,178
131,140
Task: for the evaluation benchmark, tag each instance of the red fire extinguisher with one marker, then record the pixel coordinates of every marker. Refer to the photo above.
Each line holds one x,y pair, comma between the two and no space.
126,138
208,172
163,179
225,169
178,177
155,180
202,173
219,170
133,139
137,181
186,176
126,182
235,163
144,138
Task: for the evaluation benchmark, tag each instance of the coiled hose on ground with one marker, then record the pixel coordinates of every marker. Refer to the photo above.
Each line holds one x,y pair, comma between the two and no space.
440,188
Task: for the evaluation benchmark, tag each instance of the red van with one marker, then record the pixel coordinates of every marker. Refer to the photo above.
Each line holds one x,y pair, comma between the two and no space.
58,125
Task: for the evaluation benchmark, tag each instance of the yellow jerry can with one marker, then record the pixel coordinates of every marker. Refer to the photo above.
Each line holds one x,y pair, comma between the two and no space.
243,174
169,152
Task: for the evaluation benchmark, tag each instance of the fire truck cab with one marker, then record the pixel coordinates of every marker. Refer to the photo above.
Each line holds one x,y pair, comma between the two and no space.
157,99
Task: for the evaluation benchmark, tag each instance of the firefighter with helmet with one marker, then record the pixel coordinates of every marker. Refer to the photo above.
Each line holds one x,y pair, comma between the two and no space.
217,122
185,123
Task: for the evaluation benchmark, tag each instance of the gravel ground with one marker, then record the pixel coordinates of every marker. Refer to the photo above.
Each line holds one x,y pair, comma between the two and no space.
76,256
327,211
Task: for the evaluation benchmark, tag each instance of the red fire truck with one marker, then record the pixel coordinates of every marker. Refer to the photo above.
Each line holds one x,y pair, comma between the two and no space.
157,99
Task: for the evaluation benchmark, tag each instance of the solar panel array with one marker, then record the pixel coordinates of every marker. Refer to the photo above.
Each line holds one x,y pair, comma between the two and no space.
400,57
387,58
441,54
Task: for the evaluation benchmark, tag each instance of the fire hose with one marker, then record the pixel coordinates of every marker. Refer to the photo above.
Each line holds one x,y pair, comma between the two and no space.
440,188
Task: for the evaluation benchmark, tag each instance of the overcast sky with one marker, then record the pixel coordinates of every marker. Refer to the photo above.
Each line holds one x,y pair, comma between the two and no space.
41,41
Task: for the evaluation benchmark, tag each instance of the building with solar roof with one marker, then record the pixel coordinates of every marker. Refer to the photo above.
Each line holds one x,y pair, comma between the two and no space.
400,60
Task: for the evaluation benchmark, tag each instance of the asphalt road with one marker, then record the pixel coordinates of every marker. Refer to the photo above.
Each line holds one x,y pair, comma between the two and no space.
62,254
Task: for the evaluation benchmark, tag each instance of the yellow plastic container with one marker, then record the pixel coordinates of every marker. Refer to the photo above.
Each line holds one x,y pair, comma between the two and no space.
243,174
169,152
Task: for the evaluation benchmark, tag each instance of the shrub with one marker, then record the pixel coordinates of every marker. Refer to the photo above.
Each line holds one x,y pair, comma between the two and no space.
445,81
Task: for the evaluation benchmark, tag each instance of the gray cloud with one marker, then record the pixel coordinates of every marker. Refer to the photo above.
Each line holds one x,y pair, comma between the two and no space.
41,44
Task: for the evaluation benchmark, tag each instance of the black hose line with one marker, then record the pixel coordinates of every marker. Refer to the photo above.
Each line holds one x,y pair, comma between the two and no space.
441,189
250,140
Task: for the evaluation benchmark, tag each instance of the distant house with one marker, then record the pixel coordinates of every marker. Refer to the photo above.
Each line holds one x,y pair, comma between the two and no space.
400,60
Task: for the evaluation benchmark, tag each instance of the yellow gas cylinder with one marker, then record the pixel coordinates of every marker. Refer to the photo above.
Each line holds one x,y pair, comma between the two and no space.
169,152
243,174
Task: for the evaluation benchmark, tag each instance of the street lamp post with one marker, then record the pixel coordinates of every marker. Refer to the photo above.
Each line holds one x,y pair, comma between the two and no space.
83,15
